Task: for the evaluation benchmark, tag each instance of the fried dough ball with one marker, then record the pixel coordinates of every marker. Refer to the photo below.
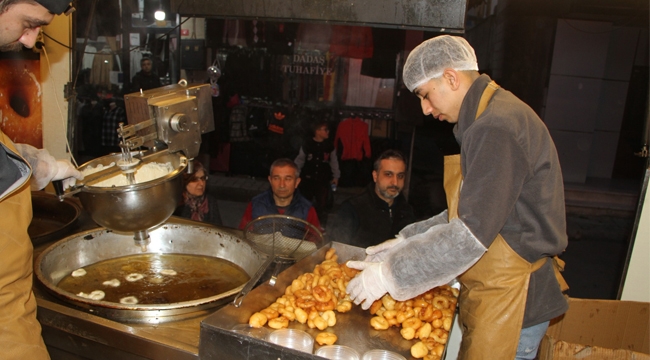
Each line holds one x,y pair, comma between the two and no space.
389,314
270,313
424,331
413,322
321,293
440,302
288,313
446,323
303,294
324,306
439,335
344,306
420,302
320,323
407,333
305,304
388,302
330,317
437,323
257,320
379,323
326,338
426,314
375,306
340,285
438,350
330,253
279,323
419,350
301,315
405,314
296,285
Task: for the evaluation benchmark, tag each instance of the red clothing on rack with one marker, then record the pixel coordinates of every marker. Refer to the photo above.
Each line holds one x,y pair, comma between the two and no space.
353,133
351,41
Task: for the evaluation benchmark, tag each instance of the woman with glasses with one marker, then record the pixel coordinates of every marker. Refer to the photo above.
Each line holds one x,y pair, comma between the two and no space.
197,204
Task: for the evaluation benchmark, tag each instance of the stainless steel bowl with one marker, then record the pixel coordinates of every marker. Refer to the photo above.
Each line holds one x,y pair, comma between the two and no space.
137,207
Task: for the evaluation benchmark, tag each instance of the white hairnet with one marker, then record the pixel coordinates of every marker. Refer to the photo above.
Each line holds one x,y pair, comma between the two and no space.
429,59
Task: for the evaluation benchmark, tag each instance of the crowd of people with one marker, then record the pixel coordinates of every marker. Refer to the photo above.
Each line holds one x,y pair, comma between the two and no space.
376,214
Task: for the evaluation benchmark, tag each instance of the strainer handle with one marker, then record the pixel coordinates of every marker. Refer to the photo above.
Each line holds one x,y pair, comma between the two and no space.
254,279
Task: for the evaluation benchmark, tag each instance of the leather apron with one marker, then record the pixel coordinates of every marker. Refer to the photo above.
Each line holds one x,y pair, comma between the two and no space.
20,332
494,290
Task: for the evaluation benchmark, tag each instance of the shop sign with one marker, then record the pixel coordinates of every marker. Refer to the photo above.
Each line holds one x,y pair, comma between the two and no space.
307,64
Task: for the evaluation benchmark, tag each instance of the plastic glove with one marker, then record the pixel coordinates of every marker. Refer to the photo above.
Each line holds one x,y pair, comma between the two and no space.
369,285
424,225
379,252
68,173
46,168
431,259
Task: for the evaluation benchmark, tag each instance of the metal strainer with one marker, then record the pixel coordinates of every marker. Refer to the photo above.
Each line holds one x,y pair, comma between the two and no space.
284,238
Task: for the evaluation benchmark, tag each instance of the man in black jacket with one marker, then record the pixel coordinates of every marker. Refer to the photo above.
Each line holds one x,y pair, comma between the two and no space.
381,211
145,79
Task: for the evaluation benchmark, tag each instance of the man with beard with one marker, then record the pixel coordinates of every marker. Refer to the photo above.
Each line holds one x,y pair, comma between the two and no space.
381,211
20,332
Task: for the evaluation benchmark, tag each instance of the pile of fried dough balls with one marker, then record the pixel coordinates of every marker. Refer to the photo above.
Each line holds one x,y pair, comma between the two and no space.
314,297
311,299
427,317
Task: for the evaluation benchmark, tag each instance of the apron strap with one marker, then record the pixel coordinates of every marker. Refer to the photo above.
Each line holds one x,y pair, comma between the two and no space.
537,264
558,266
492,86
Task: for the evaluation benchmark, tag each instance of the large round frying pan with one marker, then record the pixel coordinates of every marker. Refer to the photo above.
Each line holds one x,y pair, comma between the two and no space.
52,219
93,246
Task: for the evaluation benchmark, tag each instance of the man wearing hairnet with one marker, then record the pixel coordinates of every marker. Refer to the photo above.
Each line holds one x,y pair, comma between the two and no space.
505,220
20,332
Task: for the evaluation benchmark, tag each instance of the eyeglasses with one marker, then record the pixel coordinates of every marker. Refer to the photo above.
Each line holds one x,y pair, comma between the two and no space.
201,178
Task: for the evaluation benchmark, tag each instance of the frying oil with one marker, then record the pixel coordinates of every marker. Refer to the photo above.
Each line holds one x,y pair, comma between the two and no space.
196,277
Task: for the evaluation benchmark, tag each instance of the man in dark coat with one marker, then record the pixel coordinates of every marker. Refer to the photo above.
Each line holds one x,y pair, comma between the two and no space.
381,211
145,79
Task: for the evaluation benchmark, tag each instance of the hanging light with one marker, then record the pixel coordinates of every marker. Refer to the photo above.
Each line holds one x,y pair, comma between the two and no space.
159,15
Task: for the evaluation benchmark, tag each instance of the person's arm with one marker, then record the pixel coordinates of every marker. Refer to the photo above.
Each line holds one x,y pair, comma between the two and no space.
248,216
300,159
46,168
495,171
